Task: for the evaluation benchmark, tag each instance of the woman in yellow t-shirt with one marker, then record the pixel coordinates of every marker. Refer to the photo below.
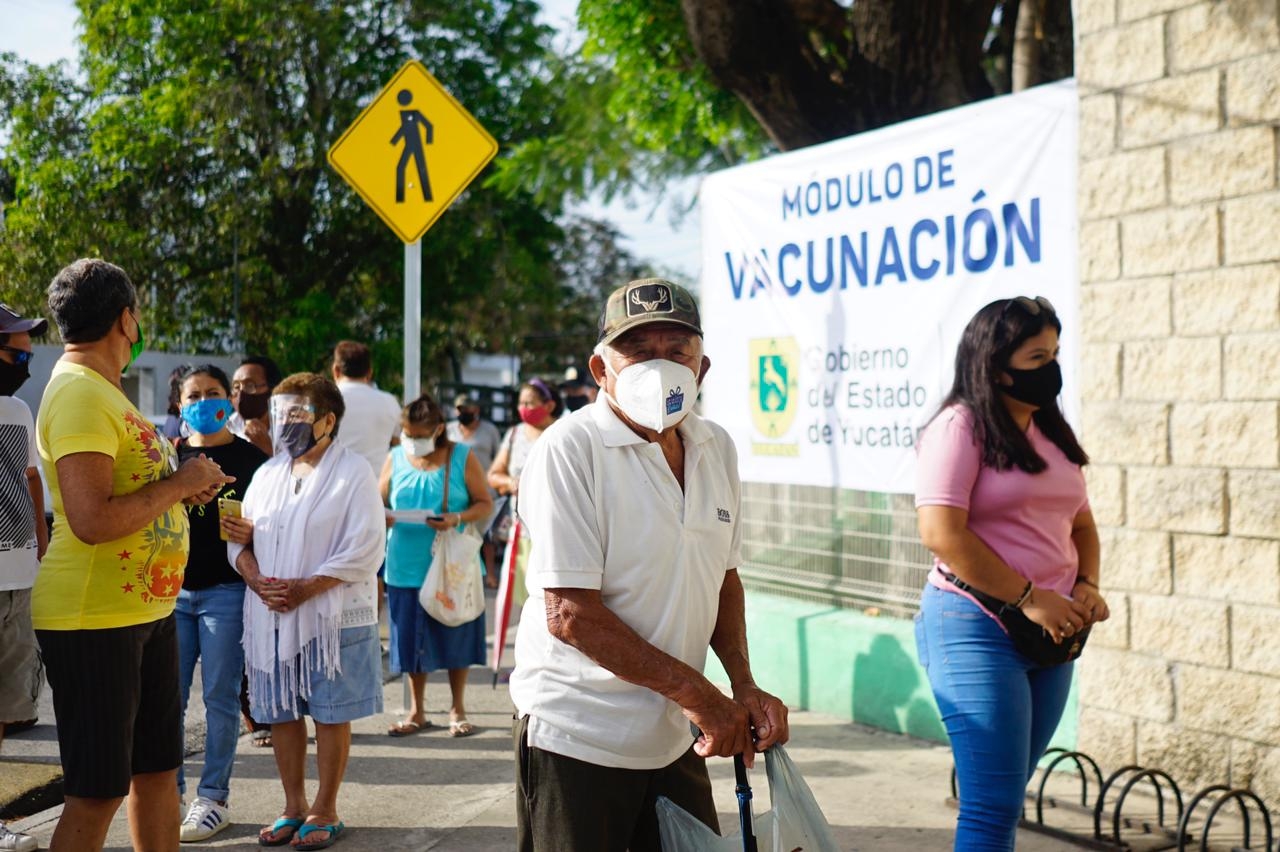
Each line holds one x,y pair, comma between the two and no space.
102,605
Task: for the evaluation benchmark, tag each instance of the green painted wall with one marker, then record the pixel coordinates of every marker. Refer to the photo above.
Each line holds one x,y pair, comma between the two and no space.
847,664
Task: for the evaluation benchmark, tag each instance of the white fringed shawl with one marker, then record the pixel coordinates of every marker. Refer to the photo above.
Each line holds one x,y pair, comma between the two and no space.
333,527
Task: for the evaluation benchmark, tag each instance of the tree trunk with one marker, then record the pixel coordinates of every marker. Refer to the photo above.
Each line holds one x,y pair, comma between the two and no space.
813,70
1026,46
1042,44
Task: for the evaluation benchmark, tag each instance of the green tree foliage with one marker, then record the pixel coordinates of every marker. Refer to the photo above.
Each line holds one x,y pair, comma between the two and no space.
191,151
667,88
636,108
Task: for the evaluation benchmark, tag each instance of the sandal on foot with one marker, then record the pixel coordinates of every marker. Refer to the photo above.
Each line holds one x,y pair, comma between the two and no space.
265,837
334,830
407,728
461,728
261,738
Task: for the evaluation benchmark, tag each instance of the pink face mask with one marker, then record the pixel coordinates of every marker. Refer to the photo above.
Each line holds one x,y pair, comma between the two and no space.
533,416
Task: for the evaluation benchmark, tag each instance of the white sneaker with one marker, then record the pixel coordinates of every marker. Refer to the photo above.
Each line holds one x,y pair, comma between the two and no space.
11,841
204,819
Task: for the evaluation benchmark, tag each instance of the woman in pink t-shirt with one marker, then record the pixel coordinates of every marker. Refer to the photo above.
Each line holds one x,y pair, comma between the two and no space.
1001,502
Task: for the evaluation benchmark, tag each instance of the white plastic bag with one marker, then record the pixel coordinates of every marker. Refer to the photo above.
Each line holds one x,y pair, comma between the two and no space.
453,593
795,822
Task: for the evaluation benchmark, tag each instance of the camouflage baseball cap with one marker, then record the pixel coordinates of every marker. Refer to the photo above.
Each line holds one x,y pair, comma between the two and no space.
647,301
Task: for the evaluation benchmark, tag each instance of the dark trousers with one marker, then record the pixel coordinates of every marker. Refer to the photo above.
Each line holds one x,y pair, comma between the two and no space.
115,696
568,805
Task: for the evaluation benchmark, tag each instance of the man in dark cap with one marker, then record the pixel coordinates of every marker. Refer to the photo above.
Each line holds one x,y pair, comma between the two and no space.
23,537
634,507
577,388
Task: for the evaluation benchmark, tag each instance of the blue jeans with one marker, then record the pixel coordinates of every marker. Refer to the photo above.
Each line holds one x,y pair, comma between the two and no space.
999,708
210,625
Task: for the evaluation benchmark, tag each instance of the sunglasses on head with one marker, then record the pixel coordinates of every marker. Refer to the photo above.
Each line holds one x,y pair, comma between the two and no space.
1033,307
20,356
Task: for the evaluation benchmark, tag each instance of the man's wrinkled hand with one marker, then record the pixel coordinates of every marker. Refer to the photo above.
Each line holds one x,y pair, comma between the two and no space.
768,716
725,726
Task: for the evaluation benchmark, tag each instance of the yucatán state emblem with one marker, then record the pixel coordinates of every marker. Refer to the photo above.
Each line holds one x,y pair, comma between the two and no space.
775,384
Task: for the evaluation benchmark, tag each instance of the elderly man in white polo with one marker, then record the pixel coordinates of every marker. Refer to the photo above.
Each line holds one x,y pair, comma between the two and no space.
632,506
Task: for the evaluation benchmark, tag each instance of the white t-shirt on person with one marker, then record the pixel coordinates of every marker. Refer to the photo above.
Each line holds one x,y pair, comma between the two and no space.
605,512
371,422
18,562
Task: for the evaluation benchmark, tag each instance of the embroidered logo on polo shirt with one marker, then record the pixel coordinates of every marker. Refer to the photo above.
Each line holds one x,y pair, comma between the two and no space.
675,400
723,516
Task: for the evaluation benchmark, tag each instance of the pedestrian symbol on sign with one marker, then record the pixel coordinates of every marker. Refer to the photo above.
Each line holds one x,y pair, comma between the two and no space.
390,138
410,120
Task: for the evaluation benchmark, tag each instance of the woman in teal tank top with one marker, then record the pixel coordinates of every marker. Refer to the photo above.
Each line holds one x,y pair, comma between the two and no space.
413,478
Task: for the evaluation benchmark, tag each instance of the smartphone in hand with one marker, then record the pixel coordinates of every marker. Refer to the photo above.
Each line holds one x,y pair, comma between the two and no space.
228,508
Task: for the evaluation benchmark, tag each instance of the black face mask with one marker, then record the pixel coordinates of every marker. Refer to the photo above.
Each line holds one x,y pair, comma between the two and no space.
466,418
1038,387
573,403
297,438
12,377
251,406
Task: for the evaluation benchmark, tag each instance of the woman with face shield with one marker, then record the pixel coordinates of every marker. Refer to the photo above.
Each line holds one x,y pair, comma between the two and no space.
310,631
418,474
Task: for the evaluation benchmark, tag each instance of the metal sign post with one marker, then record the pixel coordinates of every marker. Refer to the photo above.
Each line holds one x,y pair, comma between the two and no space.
409,154
412,321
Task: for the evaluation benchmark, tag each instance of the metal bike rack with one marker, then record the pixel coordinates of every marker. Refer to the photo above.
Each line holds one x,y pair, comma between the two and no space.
1080,759
1243,798
1138,774
1156,834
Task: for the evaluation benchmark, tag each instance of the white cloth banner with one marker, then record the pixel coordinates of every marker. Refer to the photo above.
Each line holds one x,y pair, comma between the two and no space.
837,280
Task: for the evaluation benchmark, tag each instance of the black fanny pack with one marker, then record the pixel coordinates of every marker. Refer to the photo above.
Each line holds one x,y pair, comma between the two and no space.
1030,639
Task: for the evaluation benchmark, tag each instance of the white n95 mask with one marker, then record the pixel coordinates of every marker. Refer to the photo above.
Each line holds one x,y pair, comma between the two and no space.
418,447
655,394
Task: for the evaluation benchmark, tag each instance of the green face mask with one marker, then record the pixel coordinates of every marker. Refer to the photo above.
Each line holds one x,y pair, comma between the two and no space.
136,348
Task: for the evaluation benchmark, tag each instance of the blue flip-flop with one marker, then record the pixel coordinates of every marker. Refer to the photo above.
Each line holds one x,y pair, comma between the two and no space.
334,831
293,823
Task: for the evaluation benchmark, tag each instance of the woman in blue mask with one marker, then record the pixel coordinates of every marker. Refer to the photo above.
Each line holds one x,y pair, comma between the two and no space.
414,477
209,609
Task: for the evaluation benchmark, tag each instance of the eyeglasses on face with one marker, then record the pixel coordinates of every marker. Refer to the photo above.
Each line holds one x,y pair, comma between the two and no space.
1033,307
20,356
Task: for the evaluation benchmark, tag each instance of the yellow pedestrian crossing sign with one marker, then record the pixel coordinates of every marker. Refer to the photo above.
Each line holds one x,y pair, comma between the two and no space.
411,151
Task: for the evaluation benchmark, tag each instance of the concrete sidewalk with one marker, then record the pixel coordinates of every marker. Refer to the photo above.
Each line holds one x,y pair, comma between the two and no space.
879,791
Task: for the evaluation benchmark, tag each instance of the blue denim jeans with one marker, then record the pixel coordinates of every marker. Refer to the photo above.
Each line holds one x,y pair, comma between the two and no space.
210,625
999,708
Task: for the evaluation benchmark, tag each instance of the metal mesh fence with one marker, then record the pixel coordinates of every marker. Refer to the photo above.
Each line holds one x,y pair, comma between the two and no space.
852,549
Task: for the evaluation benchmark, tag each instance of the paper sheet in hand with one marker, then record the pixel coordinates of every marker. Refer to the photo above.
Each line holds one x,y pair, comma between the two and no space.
410,516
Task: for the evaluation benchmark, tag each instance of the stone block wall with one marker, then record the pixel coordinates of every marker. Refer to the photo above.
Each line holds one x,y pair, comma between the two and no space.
1180,296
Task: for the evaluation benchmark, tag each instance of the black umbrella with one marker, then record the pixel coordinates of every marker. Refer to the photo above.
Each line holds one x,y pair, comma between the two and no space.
743,792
